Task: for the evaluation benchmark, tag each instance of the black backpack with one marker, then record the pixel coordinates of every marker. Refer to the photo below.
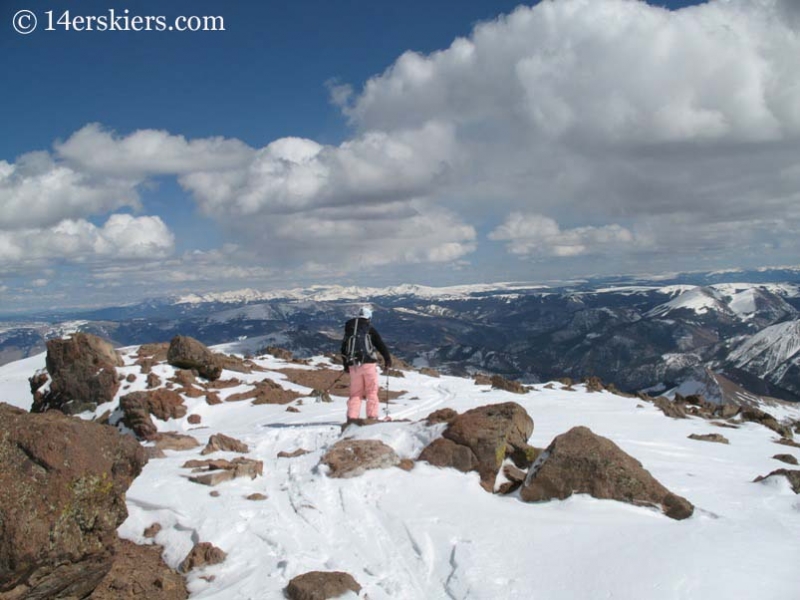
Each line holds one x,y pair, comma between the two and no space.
357,345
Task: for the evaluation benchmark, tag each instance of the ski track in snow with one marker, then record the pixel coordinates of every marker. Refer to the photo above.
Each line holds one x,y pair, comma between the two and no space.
435,534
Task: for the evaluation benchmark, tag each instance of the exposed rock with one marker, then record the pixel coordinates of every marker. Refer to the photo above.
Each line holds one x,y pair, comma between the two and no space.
792,475
194,419
292,409
187,353
213,398
442,452
223,443
184,378
256,497
501,383
491,433
203,554
351,458
321,585
266,392
169,440
140,572
280,353
293,454
787,458
83,374
482,379
157,352
406,464
669,408
429,372
153,380
709,437
152,531
62,497
130,378
136,416
759,416
580,462
443,415
593,384
787,442
515,478
219,470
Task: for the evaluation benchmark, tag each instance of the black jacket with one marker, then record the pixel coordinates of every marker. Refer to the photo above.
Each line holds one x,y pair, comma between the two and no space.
377,342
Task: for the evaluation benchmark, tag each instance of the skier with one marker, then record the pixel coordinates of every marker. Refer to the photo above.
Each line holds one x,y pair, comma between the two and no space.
360,347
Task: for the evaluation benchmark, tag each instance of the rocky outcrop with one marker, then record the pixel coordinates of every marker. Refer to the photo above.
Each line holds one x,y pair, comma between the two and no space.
501,383
62,497
187,353
223,443
482,438
139,572
581,462
351,458
789,459
321,585
203,554
216,471
709,437
138,407
792,475
82,374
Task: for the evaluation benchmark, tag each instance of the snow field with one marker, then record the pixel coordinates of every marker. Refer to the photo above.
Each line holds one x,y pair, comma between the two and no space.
434,533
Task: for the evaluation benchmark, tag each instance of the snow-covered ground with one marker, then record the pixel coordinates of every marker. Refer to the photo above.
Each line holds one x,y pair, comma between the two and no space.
435,533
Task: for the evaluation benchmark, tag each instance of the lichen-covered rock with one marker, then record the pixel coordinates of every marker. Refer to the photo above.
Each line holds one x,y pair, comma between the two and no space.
351,458
82,370
581,462
62,497
486,435
321,585
187,353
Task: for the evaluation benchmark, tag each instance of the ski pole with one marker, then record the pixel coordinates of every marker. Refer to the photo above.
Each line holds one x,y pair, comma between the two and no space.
387,394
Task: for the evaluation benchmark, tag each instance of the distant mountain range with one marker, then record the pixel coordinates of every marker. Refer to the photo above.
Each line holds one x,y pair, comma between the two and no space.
651,334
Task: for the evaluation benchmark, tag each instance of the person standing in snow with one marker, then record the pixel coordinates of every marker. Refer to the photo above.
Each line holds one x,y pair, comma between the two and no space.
360,347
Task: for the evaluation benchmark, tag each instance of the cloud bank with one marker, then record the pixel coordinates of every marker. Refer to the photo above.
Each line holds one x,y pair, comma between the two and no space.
567,129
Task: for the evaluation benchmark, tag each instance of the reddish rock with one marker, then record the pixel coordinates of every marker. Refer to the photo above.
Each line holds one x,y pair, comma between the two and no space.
492,433
140,572
83,374
501,383
169,440
256,497
293,454
446,453
202,554
187,353
443,415
351,458
153,380
709,437
194,419
223,443
789,459
580,462
793,476
62,497
321,585
220,470
152,531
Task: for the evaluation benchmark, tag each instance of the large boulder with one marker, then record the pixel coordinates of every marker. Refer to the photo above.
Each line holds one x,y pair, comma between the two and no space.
62,497
82,370
187,353
482,438
321,585
581,462
351,458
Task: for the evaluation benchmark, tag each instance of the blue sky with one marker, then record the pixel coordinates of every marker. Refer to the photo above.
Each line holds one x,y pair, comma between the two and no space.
373,143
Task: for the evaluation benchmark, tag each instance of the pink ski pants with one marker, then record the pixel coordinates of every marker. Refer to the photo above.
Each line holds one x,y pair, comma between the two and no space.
363,382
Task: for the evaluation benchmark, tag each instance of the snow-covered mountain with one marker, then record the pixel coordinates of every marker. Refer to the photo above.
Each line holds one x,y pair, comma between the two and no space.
435,533
637,334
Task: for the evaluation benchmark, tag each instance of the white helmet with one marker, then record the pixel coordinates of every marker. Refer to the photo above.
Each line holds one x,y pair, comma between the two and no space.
365,312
